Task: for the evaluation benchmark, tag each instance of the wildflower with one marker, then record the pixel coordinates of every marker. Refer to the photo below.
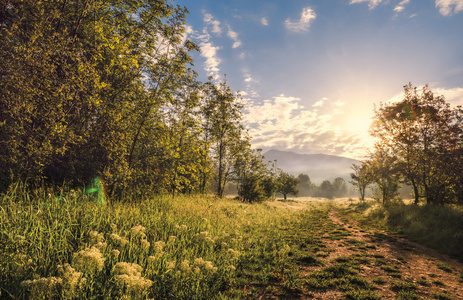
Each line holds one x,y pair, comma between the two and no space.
224,244
151,258
115,252
171,265
159,246
209,240
171,240
129,275
209,266
89,260
185,266
133,284
42,288
145,244
95,237
232,268
234,253
197,270
119,241
100,246
204,220
138,231
113,226
184,228
72,280
199,261
204,234
127,268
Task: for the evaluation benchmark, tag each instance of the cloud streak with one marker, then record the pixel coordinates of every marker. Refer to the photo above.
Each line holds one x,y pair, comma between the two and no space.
303,24
371,3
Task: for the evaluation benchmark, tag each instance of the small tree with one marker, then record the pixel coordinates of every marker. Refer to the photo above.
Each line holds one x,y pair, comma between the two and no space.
287,184
326,189
360,178
305,185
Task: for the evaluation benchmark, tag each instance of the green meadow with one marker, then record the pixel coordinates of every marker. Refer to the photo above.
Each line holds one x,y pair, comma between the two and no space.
192,247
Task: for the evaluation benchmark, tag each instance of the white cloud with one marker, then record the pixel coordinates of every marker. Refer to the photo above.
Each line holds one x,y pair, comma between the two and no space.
209,51
285,123
264,21
454,96
319,103
211,21
234,36
401,6
449,7
371,3
303,24
248,79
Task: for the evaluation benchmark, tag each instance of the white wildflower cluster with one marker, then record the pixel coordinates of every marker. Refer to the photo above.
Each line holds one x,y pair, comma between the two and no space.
89,260
208,266
181,228
42,288
159,248
171,240
117,240
129,276
115,253
185,266
72,281
233,253
96,240
204,235
138,233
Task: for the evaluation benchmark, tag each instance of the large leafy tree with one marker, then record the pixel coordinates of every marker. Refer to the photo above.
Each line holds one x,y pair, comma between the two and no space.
83,86
223,130
424,134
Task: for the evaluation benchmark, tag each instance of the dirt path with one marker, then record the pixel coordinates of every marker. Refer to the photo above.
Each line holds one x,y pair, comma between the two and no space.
397,268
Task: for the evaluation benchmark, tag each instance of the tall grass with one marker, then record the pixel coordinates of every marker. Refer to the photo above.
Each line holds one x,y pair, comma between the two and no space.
438,227
187,247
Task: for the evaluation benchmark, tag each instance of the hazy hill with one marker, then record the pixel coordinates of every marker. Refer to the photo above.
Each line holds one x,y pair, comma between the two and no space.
318,166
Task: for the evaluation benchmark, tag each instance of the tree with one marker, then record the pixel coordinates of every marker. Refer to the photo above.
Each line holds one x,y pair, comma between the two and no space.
424,134
384,166
222,113
327,189
361,178
339,187
305,186
287,184
82,88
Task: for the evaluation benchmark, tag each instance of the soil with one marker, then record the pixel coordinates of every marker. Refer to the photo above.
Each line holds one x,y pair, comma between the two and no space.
416,263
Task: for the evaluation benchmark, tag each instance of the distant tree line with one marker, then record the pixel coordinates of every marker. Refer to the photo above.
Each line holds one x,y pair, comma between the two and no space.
105,88
419,142
327,189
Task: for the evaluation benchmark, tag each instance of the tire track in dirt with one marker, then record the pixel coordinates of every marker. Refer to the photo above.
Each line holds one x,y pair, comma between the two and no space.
414,263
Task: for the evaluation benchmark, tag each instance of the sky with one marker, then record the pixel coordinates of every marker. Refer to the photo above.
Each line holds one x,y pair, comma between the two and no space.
311,72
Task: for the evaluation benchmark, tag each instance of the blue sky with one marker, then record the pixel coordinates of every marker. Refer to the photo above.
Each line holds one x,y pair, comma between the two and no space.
311,72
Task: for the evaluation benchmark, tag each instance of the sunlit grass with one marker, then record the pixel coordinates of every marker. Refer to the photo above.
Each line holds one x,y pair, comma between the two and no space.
187,247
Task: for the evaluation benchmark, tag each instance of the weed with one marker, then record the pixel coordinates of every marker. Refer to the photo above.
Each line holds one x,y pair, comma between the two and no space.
379,280
445,267
444,295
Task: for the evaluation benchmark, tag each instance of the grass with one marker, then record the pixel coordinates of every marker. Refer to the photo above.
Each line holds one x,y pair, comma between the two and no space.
187,247
438,227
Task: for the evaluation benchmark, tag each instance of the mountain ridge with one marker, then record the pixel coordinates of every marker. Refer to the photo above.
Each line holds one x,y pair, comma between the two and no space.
318,166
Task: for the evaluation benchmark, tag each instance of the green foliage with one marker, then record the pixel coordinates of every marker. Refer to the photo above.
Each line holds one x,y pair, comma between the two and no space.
421,135
287,184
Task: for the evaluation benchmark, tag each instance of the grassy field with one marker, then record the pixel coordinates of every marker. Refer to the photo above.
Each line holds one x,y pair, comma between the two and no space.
194,247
